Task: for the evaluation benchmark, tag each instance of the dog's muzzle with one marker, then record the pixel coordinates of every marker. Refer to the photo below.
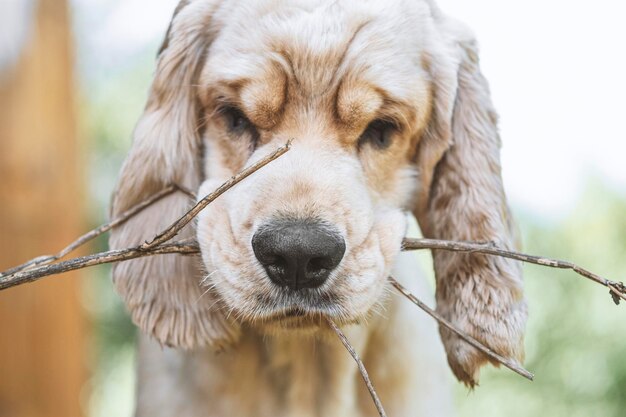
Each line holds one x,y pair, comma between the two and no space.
298,253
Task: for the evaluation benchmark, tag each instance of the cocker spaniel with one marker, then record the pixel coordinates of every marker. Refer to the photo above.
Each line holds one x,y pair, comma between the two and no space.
389,114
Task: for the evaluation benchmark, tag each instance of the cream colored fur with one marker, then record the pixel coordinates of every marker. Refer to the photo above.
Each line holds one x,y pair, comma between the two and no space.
317,72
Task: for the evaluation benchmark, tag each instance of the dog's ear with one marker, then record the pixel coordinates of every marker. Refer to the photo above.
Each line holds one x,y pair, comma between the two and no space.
461,197
162,292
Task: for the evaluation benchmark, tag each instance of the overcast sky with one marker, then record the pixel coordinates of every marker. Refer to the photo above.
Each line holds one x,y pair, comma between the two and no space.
556,70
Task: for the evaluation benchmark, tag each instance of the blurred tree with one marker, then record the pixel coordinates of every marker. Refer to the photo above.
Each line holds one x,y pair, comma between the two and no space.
42,342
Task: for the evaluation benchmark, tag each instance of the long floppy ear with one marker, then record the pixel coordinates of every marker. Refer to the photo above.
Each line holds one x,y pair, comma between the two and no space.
462,198
162,292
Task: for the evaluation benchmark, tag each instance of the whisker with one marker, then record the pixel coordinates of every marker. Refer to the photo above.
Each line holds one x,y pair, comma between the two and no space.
202,295
206,278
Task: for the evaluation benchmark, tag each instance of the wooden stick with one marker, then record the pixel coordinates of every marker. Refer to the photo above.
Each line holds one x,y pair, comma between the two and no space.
23,277
616,289
514,366
359,362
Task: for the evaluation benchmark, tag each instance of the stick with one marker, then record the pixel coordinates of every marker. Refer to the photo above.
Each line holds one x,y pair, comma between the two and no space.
187,247
171,231
616,289
359,362
515,367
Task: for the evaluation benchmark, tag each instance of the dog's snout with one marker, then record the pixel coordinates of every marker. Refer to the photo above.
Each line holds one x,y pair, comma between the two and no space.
298,253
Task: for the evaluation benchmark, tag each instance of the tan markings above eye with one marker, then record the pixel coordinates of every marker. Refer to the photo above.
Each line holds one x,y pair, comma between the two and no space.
378,133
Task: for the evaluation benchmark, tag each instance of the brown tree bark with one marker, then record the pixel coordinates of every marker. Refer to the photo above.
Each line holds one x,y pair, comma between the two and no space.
42,327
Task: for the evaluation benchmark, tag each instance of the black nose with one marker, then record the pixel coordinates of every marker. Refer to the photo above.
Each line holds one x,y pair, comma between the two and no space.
298,253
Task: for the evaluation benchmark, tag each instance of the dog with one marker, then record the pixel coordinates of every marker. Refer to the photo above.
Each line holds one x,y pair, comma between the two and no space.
388,114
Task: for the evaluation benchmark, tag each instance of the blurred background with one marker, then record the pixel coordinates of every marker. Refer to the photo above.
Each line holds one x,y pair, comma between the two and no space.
73,81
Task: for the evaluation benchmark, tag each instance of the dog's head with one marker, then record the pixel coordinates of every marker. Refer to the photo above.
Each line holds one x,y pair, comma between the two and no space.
388,113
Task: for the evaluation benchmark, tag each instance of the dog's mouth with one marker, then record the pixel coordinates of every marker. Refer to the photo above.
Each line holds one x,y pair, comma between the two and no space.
270,306
299,270
293,312
294,318
303,310
307,301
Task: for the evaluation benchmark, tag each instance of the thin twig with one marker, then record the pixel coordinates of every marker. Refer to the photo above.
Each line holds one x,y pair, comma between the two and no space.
186,247
48,259
359,362
617,289
171,231
515,367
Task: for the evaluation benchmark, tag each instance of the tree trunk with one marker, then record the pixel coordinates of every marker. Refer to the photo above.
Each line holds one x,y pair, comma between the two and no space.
42,326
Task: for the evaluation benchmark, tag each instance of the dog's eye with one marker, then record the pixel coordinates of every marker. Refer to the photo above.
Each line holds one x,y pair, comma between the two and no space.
236,121
379,133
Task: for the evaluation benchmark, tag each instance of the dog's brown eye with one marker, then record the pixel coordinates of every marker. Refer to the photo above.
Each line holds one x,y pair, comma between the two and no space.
379,133
236,121
239,125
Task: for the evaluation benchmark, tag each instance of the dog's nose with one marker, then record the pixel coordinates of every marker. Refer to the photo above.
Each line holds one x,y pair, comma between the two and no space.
298,253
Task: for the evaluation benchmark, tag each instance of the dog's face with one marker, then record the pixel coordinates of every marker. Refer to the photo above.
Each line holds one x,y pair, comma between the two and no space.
317,230
388,112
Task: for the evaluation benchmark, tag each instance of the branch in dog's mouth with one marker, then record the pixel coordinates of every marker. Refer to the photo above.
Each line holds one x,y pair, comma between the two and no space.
41,266
360,365
617,290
